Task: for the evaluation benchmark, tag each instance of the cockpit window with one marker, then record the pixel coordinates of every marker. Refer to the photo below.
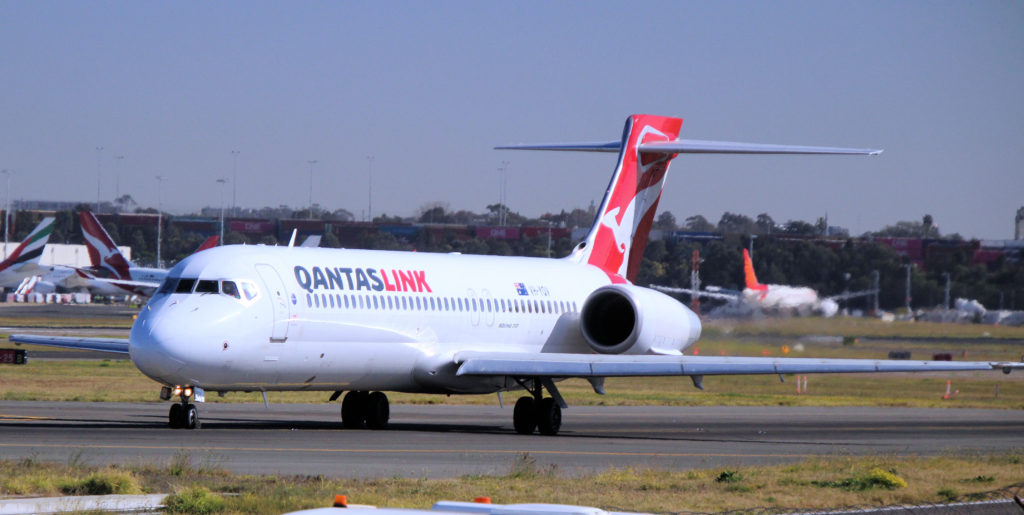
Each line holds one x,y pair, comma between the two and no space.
185,285
229,288
169,285
249,290
206,286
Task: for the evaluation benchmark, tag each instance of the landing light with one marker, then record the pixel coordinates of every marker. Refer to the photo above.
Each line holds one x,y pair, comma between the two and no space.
176,391
188,391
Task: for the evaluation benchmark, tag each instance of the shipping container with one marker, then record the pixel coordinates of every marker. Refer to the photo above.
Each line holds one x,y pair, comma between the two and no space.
498,233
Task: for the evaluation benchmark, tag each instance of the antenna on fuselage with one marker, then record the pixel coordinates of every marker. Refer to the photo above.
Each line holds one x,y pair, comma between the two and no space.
291,242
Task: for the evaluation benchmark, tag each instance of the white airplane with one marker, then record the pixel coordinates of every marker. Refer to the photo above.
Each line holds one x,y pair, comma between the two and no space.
258,318
782,298
23,261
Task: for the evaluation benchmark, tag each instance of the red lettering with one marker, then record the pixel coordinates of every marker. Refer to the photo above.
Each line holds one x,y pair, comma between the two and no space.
398,284
408,282
387,285
421,281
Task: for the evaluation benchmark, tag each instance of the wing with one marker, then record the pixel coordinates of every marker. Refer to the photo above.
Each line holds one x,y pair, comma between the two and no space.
851,295
474,363
699,293
144,288
69,342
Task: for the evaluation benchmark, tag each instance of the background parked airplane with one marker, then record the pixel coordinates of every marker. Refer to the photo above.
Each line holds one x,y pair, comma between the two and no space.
259,318
23,261
111,272
776,298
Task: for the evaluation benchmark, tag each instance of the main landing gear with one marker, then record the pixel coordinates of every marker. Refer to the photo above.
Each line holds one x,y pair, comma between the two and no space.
184,415
538,412
361,409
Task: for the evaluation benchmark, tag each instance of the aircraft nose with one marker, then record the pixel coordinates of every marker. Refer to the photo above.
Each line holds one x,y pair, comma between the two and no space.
154,345
695,326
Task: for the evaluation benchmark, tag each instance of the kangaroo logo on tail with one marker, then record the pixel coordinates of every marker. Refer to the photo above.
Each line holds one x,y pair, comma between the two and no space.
616,242
103,252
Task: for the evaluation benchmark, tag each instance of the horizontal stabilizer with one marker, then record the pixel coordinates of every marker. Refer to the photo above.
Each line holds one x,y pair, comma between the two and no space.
694,146
96,344
582,146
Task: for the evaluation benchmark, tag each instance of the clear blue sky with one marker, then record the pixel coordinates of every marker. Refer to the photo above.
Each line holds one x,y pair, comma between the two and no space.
427,88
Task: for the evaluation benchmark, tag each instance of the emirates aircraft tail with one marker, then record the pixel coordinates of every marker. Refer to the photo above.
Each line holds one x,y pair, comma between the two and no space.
32,247
103,252
748,273
619,235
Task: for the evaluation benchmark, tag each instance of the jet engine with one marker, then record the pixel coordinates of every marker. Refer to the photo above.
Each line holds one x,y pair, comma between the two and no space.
628,319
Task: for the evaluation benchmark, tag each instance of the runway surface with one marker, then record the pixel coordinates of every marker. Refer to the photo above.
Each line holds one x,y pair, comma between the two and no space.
444,441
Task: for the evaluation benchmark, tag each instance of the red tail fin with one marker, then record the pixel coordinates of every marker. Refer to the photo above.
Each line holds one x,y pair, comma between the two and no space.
103,252
748,273
617,240
210,243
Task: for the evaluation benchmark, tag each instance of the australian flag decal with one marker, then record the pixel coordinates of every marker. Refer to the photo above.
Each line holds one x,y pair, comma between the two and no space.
521,289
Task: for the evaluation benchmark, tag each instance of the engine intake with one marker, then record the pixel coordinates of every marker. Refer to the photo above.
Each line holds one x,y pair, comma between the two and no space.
628,319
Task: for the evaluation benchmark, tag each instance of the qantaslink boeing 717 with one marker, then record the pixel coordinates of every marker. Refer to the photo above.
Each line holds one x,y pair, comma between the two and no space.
258,318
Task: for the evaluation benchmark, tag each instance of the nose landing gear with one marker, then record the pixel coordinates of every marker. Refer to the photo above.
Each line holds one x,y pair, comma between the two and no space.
361,409
182,415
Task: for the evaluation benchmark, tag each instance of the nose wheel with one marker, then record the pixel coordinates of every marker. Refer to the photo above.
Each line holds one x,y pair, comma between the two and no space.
183,415
361,409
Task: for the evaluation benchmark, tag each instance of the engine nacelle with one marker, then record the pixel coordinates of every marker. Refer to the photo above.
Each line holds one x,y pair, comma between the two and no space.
628,319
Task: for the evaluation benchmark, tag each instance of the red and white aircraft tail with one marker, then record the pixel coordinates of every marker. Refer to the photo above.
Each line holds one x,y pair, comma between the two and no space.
617,240
103,252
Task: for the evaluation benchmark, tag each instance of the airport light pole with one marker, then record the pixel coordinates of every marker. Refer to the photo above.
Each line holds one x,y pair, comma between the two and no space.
311,163
99,175
369,191
234,181
7,210
502,184
875,277
222,181
117,177
159,219
946,302
907,294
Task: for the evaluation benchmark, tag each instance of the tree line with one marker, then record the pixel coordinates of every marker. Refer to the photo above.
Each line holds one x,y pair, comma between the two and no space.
788,253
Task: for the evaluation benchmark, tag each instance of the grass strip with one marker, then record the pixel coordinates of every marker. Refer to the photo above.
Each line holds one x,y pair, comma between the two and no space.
820,483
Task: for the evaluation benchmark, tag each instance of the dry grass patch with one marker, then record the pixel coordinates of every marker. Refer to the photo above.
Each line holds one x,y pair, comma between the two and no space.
864,327
821,483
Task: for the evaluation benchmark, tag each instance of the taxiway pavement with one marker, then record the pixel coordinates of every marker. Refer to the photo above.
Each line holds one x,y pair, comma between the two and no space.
444,441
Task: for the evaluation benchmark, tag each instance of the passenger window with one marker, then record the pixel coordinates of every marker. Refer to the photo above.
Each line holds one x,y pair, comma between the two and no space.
185,286
432,304
230,289
205,286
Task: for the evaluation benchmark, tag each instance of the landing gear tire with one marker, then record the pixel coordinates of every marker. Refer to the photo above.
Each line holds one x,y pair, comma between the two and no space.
353,411
174,416
377,411
183,416
524,416
549,416
191,417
